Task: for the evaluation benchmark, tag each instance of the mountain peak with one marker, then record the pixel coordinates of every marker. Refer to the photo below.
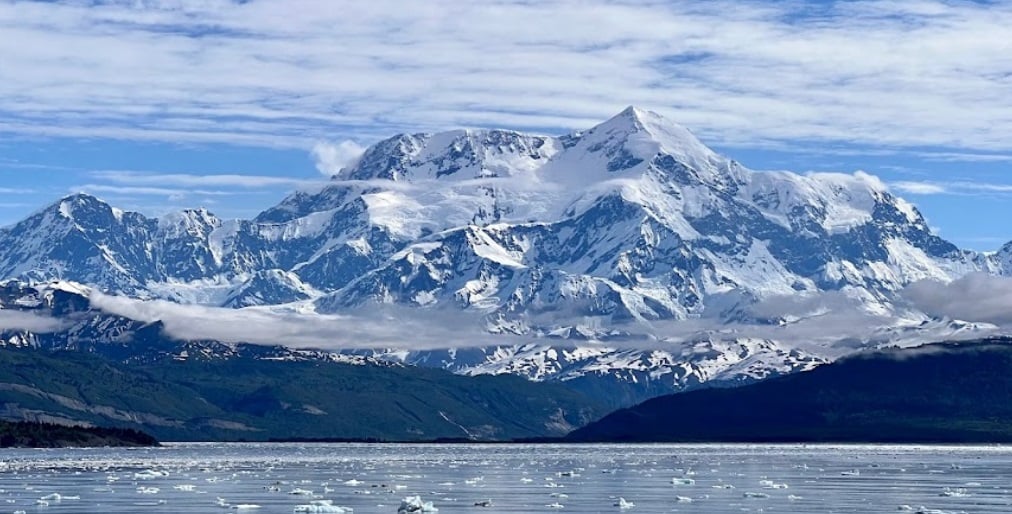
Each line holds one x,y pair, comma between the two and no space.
671,136
83,205
80,199
631,142
192,221
636,114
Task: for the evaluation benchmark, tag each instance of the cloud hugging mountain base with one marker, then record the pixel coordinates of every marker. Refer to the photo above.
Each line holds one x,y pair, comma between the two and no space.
627,250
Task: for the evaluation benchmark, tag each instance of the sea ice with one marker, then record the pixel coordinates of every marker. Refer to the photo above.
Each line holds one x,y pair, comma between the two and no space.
415,504
322,507
149,474
958,492
623,504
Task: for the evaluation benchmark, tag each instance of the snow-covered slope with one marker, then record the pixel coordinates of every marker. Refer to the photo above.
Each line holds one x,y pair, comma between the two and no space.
599,250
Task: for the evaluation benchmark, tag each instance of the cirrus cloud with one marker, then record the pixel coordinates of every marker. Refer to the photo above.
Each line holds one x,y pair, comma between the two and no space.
266,73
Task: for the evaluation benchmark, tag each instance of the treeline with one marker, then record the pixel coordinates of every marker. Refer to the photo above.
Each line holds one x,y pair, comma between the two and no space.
22,434
938,393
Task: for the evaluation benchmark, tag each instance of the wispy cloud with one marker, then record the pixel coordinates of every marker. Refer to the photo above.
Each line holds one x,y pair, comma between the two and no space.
965,188
185,187
965,157
884,73
173,193
375,327
828,324
20,320
231,180
919,188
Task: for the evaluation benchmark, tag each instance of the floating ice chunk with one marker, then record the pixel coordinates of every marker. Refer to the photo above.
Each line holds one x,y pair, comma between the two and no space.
184,487
526,480
793,497
749,494
415,504
149,503
682,481
623,504
683,499
353,483
57,497
555,505
851,473
147,490
245,506
149,474
958,492
298,491
769,484
483,503
323,507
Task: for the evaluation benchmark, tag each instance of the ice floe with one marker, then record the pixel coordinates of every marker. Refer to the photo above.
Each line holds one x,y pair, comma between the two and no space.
415,504
623,504
322,507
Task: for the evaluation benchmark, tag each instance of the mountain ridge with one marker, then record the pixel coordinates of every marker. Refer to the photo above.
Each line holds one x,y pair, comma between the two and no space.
613,240
938,393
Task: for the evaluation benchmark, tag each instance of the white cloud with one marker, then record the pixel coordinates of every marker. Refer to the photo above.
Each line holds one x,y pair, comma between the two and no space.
20,320
174,193
919,188
977,297
964,188
291,73
331,157
375,327
236,180
827,324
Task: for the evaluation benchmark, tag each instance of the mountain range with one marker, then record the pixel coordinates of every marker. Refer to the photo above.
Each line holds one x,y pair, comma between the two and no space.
628,260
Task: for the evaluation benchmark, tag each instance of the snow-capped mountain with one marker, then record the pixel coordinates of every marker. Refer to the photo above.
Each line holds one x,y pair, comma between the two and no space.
597,250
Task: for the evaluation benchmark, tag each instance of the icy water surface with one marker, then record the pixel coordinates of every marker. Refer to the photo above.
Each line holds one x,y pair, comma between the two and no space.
284,478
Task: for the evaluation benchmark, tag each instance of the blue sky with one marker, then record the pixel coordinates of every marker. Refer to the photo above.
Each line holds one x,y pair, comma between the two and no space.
155,105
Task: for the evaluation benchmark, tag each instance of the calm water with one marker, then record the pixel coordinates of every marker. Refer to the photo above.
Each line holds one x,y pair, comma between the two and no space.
190,478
